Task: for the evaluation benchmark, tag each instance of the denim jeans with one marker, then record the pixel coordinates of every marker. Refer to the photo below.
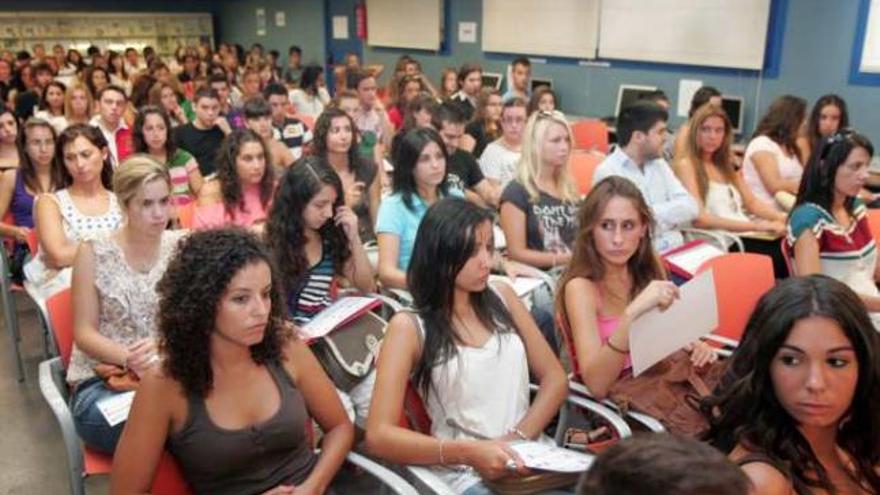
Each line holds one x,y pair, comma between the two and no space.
90,424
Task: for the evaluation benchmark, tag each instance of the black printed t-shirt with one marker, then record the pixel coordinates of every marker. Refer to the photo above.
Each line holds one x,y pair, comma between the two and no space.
551,223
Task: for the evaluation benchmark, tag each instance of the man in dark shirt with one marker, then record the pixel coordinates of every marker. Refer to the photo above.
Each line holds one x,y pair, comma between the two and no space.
202,137
464,171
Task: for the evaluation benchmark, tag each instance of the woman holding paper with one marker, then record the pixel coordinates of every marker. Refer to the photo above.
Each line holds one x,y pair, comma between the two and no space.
237,389
613,278
798,411
114,297
468,348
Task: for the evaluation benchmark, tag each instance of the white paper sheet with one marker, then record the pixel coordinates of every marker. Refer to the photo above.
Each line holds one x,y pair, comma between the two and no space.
335,315
547,457
657,334
340,27
115,409
686,90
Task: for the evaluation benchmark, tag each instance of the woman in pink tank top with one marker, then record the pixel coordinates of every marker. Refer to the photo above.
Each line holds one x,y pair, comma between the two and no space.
613,278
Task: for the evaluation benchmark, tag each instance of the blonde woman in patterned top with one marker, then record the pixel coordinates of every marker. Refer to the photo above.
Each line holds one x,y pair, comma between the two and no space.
114,295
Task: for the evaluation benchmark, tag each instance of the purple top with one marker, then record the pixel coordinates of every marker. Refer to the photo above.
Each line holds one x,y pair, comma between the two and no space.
22,204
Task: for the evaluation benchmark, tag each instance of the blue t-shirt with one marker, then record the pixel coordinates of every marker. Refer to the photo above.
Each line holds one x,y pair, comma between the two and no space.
395,218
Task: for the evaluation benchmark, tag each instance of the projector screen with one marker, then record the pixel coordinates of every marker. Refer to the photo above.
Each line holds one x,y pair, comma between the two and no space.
718,33
414,24
556,28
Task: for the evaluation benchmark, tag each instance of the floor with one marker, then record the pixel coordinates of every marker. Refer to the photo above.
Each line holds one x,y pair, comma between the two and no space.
32,456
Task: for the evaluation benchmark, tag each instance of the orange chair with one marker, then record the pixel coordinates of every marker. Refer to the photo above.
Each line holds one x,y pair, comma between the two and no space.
308,120
740,280
874,223
84,461
186,215
590,134
582,166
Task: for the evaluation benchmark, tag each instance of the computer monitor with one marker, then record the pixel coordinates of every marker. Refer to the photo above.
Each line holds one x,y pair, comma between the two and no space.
492,80
628,94
733,107
537,82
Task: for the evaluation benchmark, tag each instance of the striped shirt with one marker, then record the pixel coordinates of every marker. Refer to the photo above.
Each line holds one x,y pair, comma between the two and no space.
314,293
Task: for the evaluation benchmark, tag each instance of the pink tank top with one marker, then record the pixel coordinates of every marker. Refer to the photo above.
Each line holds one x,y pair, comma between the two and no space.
607,326
215,215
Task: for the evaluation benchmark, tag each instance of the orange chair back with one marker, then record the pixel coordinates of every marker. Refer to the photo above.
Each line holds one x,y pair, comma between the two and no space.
582,165
874,223
308,120
740,280
32,242
60,309
590,134
186,215
168,479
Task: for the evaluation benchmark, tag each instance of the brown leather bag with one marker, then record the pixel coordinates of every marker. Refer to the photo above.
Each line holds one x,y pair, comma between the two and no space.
117,378
671,391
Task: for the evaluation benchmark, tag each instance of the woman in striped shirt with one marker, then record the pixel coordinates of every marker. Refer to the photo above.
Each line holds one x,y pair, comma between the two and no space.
314,238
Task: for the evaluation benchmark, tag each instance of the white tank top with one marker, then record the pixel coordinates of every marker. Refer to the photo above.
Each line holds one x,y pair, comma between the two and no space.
484,390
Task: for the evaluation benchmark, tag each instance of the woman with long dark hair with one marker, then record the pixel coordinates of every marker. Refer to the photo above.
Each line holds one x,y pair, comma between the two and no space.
468,348
799,409
829,231
419,182
336,142
242,190
772,164
236,389
311,96
38,173
828,116
82,208
314,238
152,135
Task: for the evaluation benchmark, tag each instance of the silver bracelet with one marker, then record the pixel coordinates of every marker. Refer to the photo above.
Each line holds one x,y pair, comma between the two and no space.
516,431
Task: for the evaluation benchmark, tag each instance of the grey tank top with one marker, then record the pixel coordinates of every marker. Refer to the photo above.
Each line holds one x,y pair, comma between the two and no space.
251,460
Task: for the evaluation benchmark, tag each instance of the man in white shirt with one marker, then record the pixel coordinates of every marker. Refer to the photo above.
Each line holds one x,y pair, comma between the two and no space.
641,130
111,105
500,159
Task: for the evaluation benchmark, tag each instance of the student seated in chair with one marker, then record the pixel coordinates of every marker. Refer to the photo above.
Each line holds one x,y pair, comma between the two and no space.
798,410
772,164
726,203
613,278
464,171
419,182
828,228
241,193
114,297
314,240
469,348
641,129
236,389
